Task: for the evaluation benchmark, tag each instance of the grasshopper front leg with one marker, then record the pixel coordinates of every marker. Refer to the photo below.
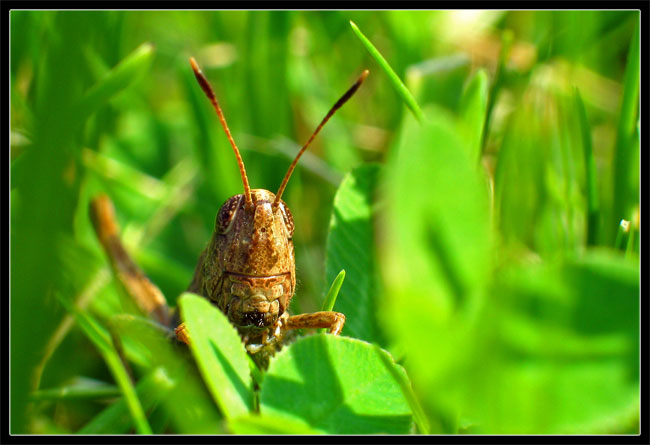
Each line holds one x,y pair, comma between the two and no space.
334,321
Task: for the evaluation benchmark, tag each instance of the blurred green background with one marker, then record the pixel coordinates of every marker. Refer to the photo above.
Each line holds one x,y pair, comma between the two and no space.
491,262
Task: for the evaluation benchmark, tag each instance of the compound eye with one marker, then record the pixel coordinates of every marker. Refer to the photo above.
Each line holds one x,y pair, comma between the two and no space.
226,215
288,218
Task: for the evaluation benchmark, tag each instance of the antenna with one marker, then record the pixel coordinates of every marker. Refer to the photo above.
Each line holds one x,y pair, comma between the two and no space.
207,89
348,94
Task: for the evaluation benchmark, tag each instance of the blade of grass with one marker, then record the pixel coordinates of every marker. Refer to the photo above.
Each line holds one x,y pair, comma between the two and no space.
129,69
122,173
507,37
116,419
81,390
629,248
102,341
179,381
473,106
622,234
94,285
634,229
593,206
624,137
397,83
332,294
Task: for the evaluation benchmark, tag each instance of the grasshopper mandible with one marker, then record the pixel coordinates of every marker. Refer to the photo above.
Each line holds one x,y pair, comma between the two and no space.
248,268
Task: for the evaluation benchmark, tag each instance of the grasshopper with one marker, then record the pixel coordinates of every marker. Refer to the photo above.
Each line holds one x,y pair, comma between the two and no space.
248,268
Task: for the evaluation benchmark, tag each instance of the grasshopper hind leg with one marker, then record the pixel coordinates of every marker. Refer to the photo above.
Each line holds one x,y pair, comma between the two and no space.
146,294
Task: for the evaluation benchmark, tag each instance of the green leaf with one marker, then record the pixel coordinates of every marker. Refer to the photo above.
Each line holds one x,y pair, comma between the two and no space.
473,106
220,355
336,385
131,68
350,246
436,250
399,86
560,348
268,424
438,221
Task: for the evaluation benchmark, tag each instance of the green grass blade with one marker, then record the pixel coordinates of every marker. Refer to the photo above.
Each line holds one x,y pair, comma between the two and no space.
507,38
629,248
593,205
116,419
624,155
333,293
622,233
81,390
129,69
632,242
105,346
123,380
397,83
473,106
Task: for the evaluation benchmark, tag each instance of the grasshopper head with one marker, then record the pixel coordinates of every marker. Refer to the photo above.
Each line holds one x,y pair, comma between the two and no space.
256,240
254,245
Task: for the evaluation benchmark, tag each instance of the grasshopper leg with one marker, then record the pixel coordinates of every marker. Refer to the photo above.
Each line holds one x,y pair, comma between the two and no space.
147,296
324,319
181,334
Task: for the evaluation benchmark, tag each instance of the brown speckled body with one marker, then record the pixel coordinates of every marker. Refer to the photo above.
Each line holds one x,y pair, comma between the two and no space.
248,268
